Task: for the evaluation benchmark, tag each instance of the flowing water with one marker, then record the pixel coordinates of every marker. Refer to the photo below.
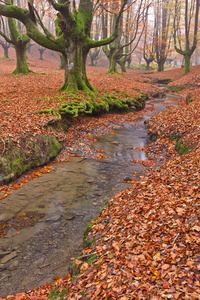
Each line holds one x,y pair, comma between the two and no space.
63,202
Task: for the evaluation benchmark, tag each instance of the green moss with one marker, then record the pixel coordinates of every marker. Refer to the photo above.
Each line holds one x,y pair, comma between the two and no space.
10,92
55,295
136,89
174,88
29,153
94,105
182,148
162,80
106,205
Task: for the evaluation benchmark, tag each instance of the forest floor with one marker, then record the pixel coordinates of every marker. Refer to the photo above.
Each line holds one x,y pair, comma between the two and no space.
147,237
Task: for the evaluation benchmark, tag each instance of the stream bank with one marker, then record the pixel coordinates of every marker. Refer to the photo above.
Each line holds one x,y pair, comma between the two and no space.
68,197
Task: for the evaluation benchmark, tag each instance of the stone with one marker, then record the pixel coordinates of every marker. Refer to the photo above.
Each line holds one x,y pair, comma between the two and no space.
39,261
53,217
127,179
2,254
13,265
70,217
2,267
12,232
8,257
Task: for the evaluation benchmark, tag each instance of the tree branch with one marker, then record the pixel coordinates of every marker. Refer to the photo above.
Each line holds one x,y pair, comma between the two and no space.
93,44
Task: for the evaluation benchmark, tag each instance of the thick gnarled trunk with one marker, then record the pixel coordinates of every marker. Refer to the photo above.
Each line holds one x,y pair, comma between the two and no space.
75,67
21,65
161,65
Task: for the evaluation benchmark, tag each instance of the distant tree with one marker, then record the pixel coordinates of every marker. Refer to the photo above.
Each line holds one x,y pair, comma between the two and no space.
186,45
41,51
148,45
13,35
5,45
96,34
162,31
131,29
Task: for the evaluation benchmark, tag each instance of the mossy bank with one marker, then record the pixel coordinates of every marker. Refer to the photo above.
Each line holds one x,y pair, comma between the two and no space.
29,152
33,151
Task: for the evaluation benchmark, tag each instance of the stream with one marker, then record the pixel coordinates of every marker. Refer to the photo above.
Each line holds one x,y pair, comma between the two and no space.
63,202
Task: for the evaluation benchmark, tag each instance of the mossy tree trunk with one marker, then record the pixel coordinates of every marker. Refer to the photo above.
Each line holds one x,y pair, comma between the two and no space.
112,55
21,64
19,42
122,62
75,67
187,58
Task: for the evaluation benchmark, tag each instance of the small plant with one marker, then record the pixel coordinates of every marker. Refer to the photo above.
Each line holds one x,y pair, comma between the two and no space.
10,92
6,100
55,295
86,241
182,148
162,80
174,88
138,67
38,100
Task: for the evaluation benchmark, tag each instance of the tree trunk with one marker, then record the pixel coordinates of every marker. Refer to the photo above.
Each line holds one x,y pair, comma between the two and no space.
129,62
22,66
161,65
5,49
75,67
112,68
148,61
122,65
148,64
92,64
187,58
41,53
62,62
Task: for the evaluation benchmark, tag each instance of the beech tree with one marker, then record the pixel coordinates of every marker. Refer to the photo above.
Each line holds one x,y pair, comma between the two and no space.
162,31
148,45
96,35
185,44
13,35
73,24
131,30
5,45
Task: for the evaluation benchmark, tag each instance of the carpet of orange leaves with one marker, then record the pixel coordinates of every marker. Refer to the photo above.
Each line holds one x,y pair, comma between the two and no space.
148,237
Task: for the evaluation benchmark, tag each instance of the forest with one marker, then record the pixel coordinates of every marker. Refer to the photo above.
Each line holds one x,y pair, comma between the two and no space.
99,149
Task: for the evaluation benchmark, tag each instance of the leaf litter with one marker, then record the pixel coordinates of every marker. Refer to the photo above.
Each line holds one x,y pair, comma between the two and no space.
148,237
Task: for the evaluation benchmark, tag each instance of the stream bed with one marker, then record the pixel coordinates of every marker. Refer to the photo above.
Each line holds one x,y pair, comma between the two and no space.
63,202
